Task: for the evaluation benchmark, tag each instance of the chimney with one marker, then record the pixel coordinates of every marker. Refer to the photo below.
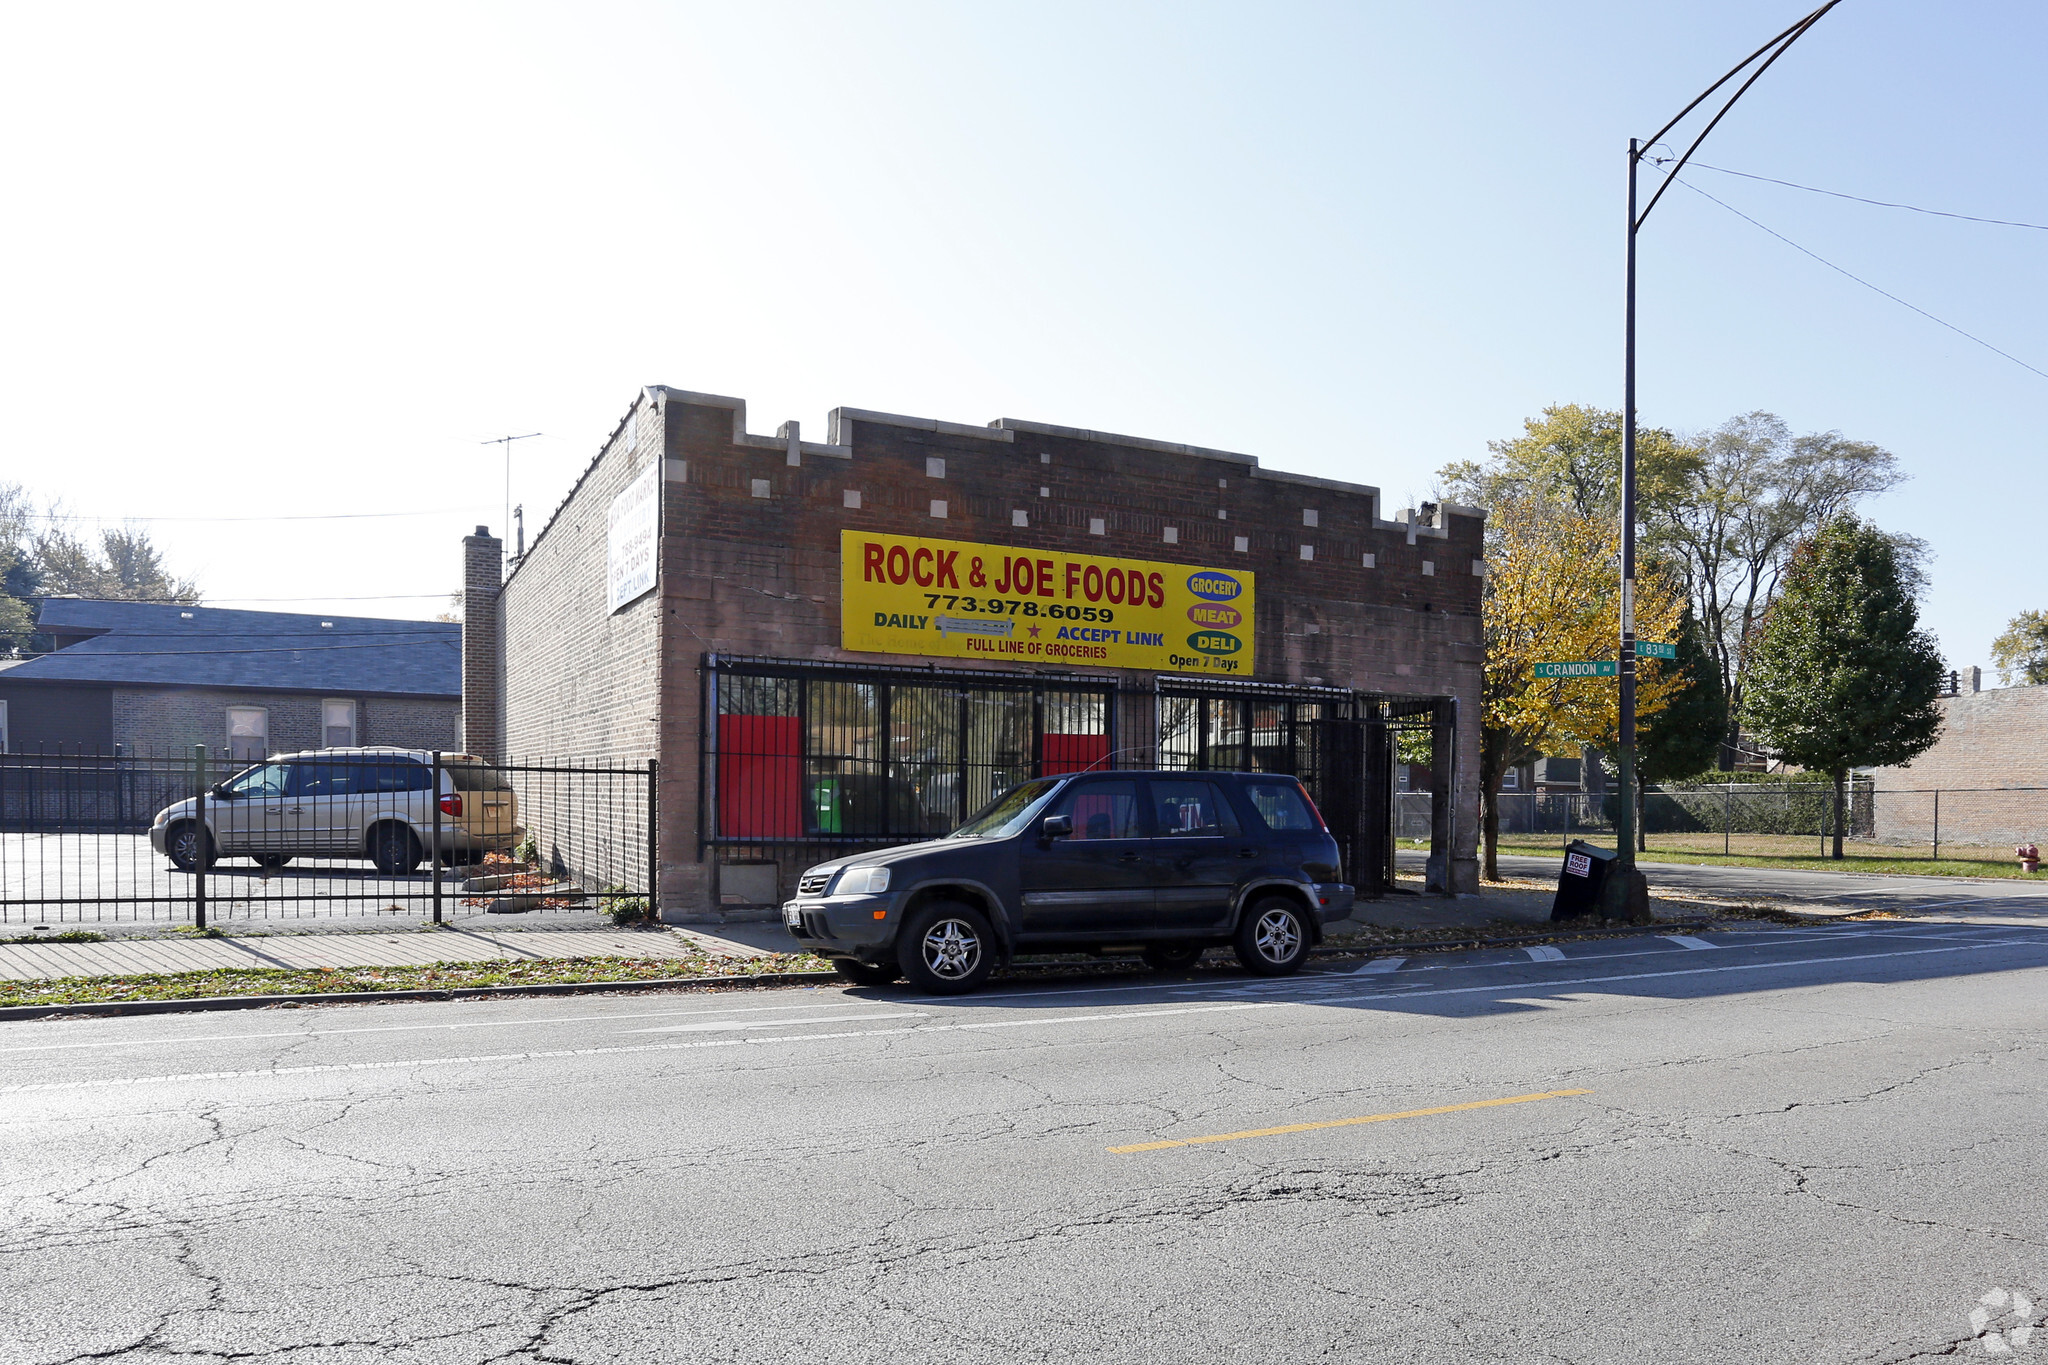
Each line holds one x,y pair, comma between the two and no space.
1973,679
482,558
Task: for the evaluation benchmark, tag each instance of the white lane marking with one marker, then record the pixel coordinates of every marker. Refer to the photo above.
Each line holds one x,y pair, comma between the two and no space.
335,1068
1524,986
1542,953
724,1025
1686,941
421,1028
1378,966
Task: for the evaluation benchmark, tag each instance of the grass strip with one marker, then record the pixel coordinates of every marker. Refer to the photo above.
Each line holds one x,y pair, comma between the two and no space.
1882,865
245,981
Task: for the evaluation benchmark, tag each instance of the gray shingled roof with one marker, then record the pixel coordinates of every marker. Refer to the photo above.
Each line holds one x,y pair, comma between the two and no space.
149,644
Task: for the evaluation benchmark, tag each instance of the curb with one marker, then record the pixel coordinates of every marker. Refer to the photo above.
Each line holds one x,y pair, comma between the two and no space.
207,1003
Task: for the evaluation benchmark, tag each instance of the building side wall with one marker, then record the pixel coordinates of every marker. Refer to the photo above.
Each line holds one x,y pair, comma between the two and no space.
166,720
760,574
49,717
1991,744
579,684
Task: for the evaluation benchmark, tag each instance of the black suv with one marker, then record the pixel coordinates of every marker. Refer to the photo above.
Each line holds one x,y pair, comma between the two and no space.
1164,864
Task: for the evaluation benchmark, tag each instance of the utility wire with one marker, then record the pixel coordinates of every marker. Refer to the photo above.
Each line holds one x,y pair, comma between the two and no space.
322,516
1880,203
1865,283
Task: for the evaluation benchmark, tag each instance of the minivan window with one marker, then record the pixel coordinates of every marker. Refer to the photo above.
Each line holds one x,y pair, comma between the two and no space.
1191,810
399,775
472,775
1008,813
1102,810
1282,806
267,780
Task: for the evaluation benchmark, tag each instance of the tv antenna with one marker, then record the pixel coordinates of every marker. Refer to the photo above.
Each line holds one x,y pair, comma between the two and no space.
506,442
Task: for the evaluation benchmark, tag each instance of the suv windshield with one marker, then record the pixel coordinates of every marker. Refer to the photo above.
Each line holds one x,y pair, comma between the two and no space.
1009,812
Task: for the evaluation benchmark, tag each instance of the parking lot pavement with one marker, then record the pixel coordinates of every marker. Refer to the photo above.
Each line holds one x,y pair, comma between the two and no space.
117,884
1809,1144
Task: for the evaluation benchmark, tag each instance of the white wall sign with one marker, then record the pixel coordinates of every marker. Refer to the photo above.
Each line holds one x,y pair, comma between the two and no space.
632,530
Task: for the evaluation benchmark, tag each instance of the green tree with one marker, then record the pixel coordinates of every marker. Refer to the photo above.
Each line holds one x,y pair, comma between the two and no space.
1571,456
1684,739
1753,496
2021,651
1842,676
124,567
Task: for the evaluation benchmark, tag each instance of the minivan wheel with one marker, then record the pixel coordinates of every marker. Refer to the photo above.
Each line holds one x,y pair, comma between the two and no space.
1273,938
186,844
1177,957
394,850
866,973
946,948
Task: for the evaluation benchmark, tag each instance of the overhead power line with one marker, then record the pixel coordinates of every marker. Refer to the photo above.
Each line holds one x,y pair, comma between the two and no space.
1880,203
319,516
1865,283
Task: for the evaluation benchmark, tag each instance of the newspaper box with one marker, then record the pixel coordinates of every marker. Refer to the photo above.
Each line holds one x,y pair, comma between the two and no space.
1579,882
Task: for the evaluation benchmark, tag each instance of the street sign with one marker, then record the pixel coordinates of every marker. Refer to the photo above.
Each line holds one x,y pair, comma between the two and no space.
1580,668
1651,649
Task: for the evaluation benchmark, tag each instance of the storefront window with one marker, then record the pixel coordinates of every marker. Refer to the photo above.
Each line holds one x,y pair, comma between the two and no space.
805,757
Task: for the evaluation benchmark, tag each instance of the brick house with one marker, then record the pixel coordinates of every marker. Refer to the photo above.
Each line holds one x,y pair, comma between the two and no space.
859,641
157,678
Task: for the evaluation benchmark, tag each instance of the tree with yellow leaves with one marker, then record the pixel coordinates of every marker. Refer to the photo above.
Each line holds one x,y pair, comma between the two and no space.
1552,594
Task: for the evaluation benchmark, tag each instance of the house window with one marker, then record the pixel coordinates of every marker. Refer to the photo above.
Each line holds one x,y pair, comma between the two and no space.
248,733
337,723
1511,780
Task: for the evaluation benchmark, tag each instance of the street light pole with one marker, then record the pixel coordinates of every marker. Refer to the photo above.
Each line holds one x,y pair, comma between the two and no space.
1625,895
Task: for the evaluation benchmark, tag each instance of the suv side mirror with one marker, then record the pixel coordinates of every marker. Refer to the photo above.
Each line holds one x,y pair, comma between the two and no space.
1057,827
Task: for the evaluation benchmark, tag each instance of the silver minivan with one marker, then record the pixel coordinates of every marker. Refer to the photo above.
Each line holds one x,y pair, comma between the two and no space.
346,803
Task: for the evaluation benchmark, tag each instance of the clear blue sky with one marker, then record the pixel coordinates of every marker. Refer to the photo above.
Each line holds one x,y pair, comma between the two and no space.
272,260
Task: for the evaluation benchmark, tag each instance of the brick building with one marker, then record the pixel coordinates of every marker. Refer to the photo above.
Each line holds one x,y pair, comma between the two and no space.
155,678
857,642
1989,768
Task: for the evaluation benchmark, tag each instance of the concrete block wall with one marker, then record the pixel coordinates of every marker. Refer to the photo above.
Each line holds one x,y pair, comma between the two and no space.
578,683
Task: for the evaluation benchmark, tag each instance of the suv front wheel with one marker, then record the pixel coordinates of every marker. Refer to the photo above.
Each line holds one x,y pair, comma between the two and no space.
946,948
1273,938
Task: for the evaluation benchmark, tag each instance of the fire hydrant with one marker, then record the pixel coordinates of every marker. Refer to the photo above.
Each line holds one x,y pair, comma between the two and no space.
2030,858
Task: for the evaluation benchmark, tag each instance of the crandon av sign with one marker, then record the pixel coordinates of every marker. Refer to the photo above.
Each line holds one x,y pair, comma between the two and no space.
965,600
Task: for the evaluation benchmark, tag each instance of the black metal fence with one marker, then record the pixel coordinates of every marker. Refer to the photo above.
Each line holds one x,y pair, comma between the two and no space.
91,837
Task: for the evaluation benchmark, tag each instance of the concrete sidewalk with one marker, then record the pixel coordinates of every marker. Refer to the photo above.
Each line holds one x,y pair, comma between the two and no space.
135,957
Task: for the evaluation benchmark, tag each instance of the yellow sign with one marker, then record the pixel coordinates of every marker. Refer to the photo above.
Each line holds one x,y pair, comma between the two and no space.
956,599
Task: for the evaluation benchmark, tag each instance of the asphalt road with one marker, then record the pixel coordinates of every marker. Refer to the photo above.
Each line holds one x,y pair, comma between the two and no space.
1786,1145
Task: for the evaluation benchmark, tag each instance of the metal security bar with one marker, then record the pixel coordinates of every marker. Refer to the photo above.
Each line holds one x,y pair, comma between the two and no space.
803,762
336,834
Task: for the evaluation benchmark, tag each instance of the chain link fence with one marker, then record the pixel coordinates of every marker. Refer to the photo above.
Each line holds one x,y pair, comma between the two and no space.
1782,818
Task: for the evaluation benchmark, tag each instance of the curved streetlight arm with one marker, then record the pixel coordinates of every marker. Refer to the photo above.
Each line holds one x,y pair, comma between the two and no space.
1782,43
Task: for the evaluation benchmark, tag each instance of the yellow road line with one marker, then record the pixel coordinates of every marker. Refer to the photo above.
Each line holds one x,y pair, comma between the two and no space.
1345,1123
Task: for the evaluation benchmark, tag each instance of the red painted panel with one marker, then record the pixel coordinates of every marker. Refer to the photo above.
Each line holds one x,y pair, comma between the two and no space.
760,777
1074,753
